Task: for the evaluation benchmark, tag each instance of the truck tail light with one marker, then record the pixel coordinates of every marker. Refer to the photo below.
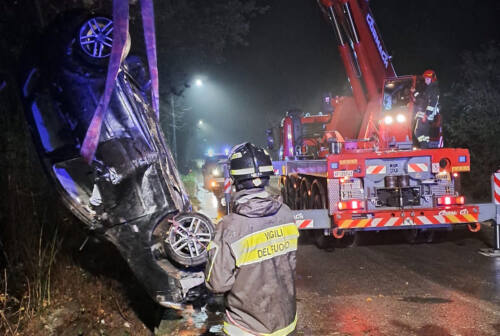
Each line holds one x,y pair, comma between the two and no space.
350,205
451,200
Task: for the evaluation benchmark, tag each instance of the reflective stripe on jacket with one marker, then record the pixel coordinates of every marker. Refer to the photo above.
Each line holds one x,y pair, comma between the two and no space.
235,330
252,258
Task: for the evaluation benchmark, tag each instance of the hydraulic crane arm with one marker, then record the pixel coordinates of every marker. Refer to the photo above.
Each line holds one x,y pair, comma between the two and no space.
370,37
346,56
360,47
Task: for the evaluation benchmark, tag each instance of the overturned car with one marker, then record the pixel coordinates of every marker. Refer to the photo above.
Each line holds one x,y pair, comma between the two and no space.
130,193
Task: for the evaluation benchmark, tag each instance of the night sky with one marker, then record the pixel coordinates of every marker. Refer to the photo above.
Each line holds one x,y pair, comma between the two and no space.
292,59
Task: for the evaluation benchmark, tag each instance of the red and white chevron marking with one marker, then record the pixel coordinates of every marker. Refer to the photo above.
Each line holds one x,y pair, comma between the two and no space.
304,223
374,170
417,167
403,221
496,188
227,186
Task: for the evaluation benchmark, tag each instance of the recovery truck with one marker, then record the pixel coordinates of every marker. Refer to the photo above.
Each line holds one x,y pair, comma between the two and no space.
358,163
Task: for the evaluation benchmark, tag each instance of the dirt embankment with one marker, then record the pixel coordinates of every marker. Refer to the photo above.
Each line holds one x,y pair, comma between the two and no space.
90,292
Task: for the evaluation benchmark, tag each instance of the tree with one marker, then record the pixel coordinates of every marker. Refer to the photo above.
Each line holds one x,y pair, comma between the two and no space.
474,119
193,32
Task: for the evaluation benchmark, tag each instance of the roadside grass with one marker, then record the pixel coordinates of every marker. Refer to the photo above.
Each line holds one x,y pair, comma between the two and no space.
191,185
49,287
32,244
30,234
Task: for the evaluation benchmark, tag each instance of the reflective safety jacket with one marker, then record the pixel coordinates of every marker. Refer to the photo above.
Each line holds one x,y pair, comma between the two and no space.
252,259
428,102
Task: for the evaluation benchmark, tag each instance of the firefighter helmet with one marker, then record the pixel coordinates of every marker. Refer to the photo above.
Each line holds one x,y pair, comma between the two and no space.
430,74
250,166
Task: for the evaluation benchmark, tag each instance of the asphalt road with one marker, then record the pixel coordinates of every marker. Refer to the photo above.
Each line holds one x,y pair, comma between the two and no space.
384,286
388,287
208,202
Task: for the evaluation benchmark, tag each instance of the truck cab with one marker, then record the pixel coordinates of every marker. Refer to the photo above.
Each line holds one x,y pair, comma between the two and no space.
397,116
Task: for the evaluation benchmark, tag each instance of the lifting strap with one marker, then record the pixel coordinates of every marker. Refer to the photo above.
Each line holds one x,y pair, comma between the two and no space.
148,22
120,35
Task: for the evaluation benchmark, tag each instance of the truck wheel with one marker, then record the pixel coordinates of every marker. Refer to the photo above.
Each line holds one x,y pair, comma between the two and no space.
187,239
318,201
283,190
350,239
416,236
323,242
296,193
318,198
293,185
305,194
290,193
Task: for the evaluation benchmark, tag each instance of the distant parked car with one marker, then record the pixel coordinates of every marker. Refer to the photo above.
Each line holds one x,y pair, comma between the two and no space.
131,193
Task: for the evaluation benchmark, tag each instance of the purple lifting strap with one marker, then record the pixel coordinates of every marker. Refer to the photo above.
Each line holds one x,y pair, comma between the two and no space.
148,22
120,22
120,34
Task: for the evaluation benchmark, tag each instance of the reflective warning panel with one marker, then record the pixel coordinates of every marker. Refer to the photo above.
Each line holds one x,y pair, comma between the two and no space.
496,188
417,167
374,170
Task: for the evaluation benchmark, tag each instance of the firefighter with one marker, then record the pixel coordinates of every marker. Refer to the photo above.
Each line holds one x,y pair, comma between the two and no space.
427,107
252,257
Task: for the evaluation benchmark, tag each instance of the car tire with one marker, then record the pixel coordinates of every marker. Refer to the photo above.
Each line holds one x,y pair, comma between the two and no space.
93,40
60,46
187,239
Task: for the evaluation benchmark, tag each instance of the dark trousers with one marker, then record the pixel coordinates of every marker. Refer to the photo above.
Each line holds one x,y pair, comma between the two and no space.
422,131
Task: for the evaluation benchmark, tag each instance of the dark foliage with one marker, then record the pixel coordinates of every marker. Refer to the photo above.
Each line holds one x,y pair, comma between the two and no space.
473,119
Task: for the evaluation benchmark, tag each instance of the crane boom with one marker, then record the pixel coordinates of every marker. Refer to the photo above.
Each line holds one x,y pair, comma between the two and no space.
361,47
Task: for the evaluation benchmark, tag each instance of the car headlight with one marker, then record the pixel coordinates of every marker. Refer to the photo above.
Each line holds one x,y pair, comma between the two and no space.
388,120
216,172
400,118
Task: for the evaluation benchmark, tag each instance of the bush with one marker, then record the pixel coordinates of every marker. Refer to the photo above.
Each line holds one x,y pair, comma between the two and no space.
474,118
